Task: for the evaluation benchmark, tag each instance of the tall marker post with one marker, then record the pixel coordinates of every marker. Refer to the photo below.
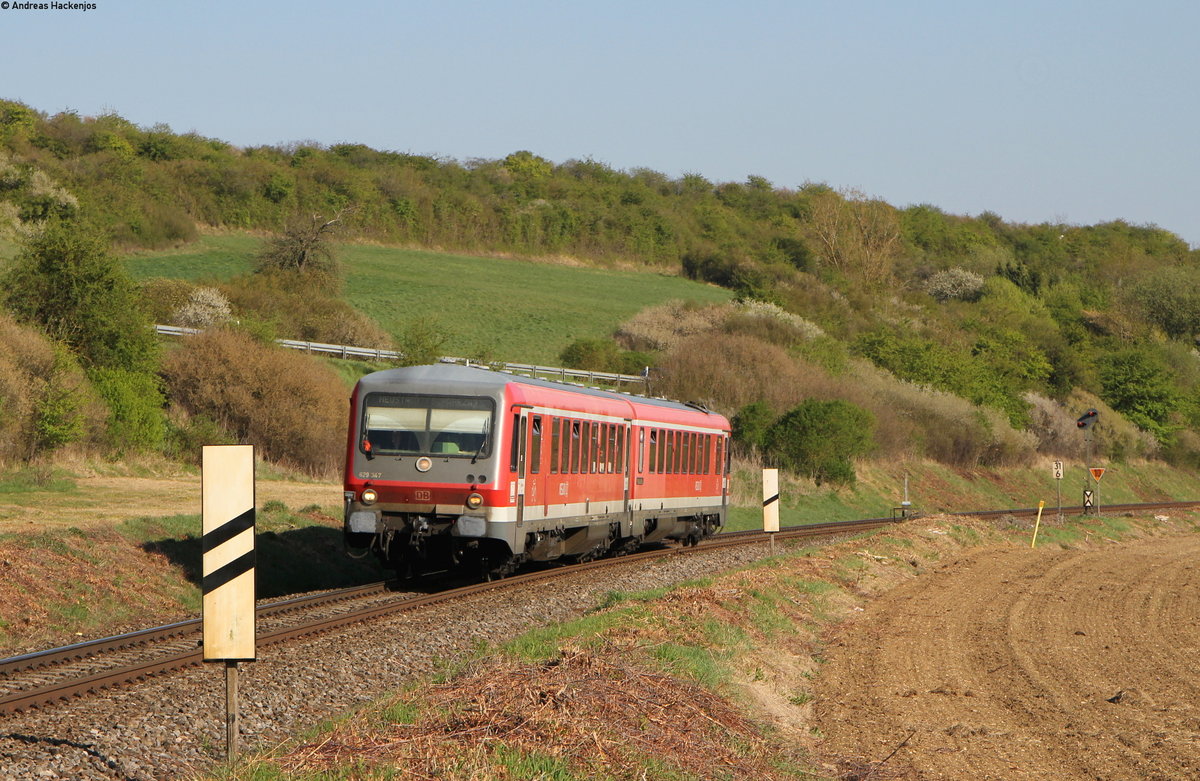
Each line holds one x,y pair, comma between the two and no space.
1037,525
227,501
771,504
1085,422
1058,476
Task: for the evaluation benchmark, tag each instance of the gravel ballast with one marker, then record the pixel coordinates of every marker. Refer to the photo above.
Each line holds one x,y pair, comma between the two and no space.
173,726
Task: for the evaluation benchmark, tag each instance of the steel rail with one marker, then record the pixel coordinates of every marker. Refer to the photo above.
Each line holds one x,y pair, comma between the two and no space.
68,688
83,650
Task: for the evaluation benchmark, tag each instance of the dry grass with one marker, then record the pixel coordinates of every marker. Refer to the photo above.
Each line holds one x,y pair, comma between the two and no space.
589,715
665,326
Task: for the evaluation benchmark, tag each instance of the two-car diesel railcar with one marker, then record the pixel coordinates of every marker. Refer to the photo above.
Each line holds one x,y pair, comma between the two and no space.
457,467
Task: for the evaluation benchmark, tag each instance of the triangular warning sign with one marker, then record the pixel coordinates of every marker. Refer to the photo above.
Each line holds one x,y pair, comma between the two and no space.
1097,472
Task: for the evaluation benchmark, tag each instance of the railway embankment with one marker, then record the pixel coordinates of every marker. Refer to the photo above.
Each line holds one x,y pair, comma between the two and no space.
100,550
713,666
941,647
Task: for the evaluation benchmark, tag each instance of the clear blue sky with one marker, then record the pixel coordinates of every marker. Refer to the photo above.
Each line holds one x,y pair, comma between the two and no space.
1080,111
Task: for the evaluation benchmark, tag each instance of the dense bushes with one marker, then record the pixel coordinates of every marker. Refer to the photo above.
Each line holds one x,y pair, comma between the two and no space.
45,400
820,439
68,283
286,403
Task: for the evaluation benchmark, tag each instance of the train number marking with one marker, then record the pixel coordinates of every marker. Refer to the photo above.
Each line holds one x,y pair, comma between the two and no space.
370,475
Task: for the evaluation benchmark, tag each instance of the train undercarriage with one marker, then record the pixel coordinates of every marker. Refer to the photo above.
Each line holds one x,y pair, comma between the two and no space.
413,545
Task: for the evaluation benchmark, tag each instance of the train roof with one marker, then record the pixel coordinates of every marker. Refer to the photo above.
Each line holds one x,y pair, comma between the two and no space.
428,378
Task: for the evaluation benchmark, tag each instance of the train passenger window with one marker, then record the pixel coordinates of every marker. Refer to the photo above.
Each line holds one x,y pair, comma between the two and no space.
708,438
641,450
594,448
602,447
535,445
555,441
669,466
662,451
622,436
576,445
653,450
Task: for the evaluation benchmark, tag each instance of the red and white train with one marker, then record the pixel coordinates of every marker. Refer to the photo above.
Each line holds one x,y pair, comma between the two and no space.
458,467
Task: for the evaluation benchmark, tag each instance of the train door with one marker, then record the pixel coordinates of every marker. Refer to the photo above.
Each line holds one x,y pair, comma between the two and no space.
627,460
521,449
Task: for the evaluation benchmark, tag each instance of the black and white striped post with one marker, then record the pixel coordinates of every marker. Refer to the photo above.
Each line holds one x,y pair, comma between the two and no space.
771,504
227,501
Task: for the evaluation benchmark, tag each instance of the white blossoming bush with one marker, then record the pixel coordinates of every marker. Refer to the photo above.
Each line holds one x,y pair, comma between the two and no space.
955,284
205,307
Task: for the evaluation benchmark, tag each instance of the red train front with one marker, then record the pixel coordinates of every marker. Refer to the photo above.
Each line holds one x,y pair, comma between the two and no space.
455,467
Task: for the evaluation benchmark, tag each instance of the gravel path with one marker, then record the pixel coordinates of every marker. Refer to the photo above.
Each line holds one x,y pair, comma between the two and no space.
173,727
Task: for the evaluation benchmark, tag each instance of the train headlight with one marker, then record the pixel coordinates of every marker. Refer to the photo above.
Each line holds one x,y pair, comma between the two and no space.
474,501
369,496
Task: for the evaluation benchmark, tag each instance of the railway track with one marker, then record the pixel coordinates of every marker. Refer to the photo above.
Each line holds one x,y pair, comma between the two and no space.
43,678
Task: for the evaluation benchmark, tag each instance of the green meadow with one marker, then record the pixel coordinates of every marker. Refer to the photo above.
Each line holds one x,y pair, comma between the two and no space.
487,307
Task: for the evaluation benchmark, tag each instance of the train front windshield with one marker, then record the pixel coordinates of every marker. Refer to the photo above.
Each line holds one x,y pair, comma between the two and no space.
419,424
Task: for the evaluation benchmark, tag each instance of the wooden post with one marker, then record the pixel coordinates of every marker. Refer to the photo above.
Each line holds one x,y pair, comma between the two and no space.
231,710
771,504
227,565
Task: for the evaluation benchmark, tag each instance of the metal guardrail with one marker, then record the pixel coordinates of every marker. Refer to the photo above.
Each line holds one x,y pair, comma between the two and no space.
371,353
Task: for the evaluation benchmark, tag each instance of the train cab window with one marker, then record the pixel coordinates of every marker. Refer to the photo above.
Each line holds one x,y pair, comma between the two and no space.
555,442
535,445
400,424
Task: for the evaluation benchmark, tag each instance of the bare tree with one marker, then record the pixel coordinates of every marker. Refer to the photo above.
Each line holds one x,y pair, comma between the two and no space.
305,245
857,235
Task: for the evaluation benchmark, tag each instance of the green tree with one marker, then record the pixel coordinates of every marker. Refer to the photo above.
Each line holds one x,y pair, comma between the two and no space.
751,423
1170,299
66,281
820,439
1137,384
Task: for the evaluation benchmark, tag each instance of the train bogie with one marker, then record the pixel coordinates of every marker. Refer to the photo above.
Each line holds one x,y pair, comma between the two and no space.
452,467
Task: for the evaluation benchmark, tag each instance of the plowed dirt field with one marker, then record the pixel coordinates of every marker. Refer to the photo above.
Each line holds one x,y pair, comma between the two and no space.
1025,664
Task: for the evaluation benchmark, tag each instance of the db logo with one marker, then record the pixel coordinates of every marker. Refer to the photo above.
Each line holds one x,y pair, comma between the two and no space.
423,496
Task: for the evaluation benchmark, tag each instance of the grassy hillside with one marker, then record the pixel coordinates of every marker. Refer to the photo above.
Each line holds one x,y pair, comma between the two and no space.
502,308
962,339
